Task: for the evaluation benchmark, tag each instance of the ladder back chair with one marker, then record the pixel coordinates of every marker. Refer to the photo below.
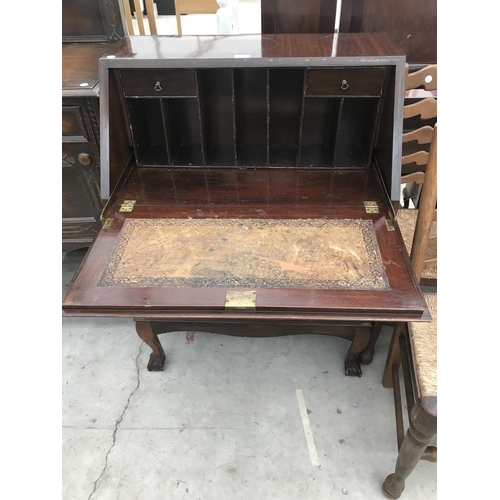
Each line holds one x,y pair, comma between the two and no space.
416,142
419,117
414,348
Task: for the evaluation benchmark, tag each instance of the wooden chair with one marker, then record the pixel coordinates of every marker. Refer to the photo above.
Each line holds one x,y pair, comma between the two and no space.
139,16
419,118
414,347
194,7
407,222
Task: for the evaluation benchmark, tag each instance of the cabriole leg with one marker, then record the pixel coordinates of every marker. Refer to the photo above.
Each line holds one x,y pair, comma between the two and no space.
157,357
359,342
366,357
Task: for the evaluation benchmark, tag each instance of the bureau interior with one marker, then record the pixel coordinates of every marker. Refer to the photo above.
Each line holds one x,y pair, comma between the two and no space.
273,117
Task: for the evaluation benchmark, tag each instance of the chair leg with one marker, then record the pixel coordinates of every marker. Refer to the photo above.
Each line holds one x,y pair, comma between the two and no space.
366,356
423,425
393,356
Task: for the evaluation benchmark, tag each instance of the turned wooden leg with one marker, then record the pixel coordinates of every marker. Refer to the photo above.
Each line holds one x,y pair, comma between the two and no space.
366,356
359,342
423,425
157,357
393,356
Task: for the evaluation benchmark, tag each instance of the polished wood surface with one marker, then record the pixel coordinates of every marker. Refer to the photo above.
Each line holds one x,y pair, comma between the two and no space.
151,50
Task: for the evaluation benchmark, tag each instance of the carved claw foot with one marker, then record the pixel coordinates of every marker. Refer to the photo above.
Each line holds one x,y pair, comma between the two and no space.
156,363
366,357
157,357
352,368
392,488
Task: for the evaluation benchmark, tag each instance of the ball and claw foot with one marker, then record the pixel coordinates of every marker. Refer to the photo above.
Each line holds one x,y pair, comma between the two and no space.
366,357
392,488
156,363
352,368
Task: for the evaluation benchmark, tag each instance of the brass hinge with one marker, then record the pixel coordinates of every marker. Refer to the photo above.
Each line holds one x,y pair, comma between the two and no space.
389,224
127,206
240,300
106,223
371,207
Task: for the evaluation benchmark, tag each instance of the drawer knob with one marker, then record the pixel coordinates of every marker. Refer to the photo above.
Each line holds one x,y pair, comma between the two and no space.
158,87
84,159
344,85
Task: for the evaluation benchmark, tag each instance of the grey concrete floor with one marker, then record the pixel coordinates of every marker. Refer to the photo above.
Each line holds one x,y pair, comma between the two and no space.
222,421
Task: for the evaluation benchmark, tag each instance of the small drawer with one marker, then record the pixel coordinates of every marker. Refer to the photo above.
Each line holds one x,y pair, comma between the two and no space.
158,83
345,81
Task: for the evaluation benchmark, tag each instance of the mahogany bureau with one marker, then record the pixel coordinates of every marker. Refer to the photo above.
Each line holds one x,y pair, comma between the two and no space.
249,184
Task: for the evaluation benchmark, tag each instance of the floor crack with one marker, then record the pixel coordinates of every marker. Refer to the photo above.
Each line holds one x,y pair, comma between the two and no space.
118,422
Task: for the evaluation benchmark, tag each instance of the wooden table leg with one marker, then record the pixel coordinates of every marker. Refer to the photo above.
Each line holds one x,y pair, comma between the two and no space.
359,342
366,357
157,357
423,426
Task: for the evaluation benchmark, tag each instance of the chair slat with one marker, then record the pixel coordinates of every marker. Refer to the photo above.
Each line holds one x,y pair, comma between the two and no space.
138,16
151,16
433,241
420,158
416,177
426,108
128,17
418,78
422,135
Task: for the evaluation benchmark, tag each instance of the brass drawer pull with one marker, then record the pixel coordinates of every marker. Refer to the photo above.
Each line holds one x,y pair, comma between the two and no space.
158,87
344,85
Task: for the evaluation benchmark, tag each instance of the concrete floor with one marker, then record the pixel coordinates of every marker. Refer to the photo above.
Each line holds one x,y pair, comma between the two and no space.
222,421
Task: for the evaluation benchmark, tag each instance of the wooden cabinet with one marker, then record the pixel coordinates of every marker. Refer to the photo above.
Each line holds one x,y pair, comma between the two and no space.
269,176
88,29
81,199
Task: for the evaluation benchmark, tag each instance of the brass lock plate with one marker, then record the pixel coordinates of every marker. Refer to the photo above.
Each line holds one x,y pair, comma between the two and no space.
127,206
371,207
240,300
389,224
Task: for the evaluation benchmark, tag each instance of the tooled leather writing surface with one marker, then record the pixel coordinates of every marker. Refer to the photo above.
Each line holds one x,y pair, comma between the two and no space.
300,253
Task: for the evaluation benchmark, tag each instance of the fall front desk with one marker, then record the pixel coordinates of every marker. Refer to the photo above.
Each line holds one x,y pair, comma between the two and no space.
249,184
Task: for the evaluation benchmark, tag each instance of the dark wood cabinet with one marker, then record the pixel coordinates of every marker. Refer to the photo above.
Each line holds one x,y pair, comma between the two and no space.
88,30
251,193
81,199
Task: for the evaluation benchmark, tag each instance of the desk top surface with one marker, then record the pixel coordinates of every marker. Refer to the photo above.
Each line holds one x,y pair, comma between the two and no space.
256,47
